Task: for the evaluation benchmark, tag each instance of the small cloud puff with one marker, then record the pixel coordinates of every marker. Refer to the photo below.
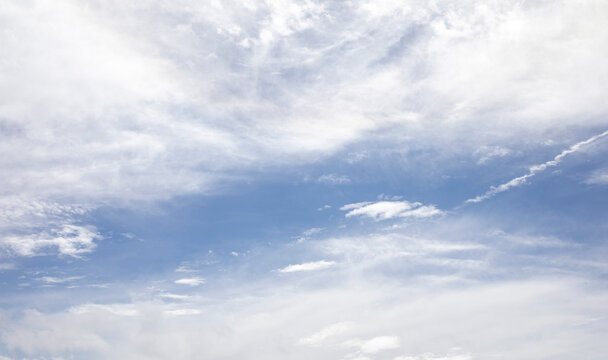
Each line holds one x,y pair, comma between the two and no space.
193,281
383,210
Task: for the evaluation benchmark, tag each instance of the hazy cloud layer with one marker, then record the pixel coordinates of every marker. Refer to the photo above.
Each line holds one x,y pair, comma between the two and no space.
259,133
110,103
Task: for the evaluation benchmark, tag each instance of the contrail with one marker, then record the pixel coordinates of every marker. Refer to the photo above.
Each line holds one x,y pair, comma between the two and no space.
534,170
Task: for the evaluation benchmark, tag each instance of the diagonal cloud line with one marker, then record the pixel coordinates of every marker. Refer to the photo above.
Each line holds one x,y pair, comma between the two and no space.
534,170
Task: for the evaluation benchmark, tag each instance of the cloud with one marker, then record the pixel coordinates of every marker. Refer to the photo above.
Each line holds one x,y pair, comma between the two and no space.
56,280
598,177
328,332
436,357
518,181
69,240
383,210
429,276
380,343
182,312
308,233
309,266
7,266
114,309
174,296
486,153
567,311
193,281
333,179
136,103
312,231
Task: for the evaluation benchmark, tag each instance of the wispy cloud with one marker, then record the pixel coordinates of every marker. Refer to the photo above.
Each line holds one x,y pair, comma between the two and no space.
486,153
598,177
518,181
327,333
333,179
58,280
309,266
70,240
380,343
384,210
143,101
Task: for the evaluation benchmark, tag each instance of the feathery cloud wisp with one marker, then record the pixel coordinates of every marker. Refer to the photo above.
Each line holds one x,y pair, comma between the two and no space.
534,170
309,266
383,210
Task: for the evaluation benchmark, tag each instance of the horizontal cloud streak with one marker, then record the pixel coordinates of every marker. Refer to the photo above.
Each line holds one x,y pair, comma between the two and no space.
309,266
384,210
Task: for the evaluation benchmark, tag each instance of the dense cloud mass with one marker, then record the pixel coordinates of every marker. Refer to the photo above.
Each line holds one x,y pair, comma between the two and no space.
114,114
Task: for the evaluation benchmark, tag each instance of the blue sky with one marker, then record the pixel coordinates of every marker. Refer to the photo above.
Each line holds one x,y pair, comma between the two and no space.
388,180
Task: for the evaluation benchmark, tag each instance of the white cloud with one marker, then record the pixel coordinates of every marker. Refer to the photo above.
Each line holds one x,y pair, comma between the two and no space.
486,153
312,231
328,332
56,280
333,179
308,233
567,311
435,357
380,343
193,281
115,309
125,102
535,169
69,240
383,210
174,296
598,177
182,312
309,266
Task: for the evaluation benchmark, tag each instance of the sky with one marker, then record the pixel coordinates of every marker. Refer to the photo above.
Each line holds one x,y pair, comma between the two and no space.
344,180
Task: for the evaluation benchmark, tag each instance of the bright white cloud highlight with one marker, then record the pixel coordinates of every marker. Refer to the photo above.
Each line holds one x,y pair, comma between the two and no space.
70,240
518,181
193,281
383,210
309,266
380,343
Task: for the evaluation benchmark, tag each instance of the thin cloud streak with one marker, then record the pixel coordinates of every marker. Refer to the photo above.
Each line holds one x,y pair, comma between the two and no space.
534,170
309,266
